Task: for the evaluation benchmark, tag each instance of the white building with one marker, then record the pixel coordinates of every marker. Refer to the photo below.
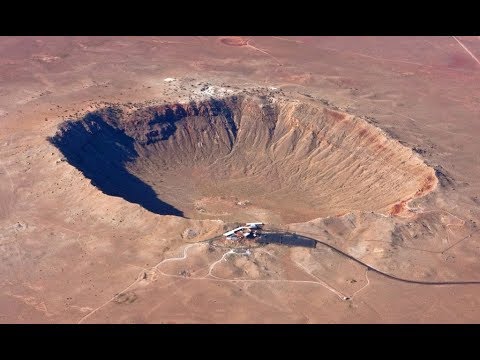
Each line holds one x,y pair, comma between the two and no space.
246,230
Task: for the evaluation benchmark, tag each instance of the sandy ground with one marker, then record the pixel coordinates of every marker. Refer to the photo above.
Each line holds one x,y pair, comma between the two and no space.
68,251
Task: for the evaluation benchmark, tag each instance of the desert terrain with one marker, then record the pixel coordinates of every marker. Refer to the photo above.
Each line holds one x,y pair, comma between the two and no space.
124,159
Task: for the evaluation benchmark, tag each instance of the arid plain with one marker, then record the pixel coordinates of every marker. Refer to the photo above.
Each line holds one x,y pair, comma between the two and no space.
121,158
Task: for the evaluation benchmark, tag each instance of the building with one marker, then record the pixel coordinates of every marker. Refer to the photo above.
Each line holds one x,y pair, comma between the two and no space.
257,225
243,231
237,233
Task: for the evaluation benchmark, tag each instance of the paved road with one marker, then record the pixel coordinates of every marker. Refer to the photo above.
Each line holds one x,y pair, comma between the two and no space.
371,268
304,239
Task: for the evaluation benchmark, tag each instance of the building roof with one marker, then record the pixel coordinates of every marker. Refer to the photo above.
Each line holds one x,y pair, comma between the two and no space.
254,225
248,226
231,232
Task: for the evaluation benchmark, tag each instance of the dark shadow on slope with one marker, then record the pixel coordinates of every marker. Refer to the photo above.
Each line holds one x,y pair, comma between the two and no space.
288,239
101,152
164,119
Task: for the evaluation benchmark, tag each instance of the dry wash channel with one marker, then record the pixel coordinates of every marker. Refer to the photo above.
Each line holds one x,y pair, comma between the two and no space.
242,158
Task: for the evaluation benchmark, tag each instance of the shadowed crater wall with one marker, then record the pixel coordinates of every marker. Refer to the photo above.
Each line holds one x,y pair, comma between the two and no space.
244,159
101,151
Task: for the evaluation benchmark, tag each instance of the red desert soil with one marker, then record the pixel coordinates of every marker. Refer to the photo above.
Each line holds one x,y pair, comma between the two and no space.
234,41
114,171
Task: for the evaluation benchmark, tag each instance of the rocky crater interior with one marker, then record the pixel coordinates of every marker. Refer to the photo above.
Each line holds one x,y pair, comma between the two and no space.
244,158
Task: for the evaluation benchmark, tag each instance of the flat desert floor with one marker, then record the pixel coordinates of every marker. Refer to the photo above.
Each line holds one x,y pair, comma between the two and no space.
122,157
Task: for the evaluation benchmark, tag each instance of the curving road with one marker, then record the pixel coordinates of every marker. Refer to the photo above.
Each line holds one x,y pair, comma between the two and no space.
291,234
380,272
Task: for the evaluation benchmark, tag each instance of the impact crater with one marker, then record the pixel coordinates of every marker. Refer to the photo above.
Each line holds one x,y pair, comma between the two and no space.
244,158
